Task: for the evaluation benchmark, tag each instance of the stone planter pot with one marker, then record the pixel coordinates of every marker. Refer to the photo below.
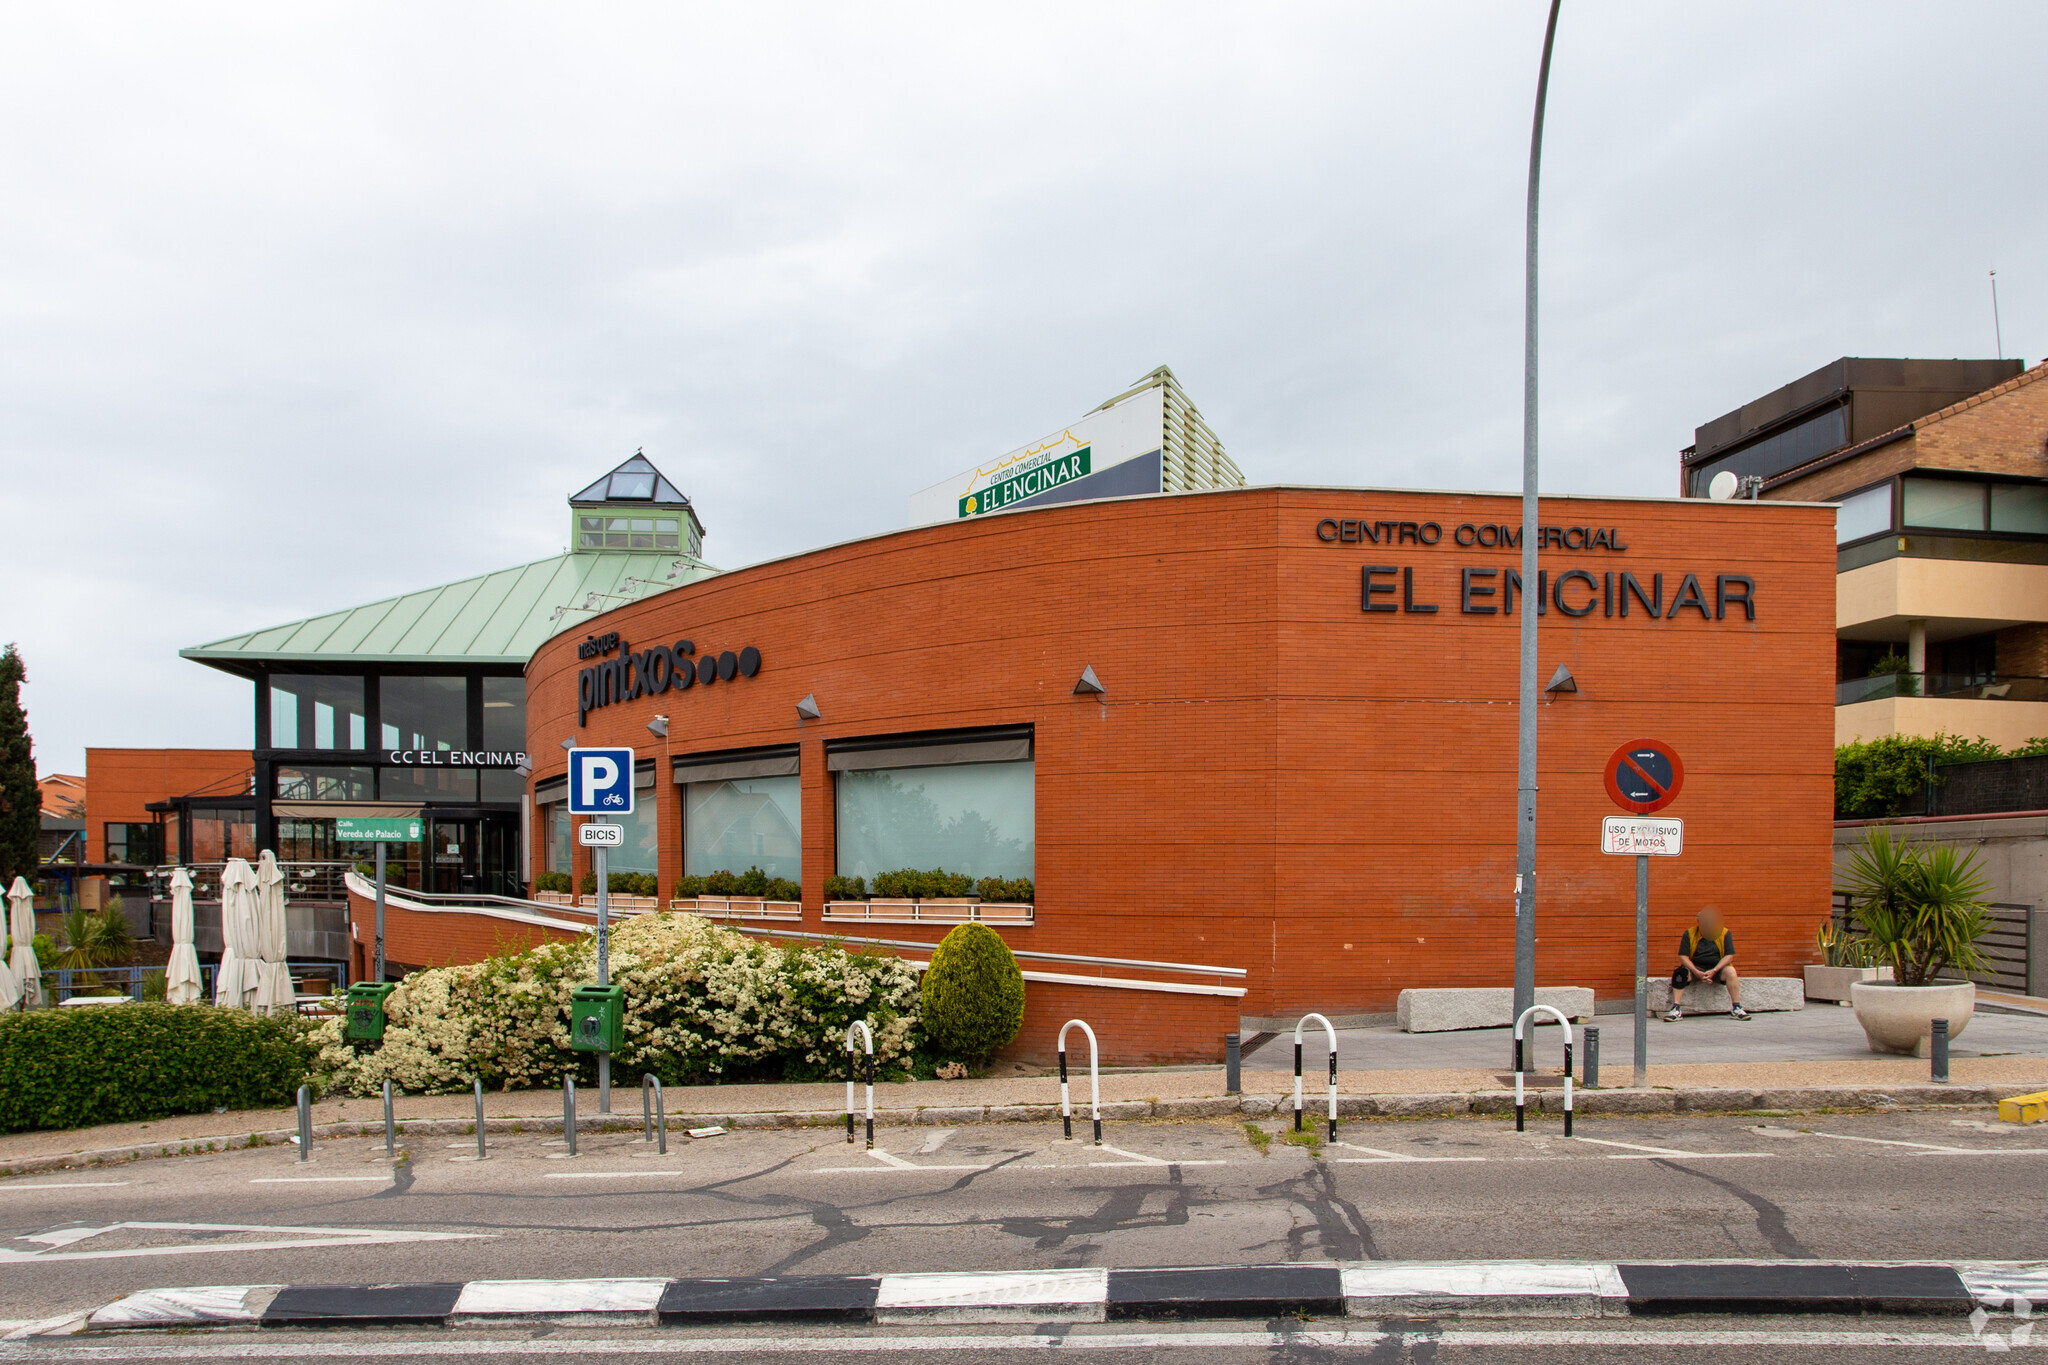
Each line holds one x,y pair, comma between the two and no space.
1833,983
1900,1019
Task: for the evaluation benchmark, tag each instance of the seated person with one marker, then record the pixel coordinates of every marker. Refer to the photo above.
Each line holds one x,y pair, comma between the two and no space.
1706,953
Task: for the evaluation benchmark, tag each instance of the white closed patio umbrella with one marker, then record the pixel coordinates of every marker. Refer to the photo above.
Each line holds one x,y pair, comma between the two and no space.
273,977
234,983
21,923
10,989
182,984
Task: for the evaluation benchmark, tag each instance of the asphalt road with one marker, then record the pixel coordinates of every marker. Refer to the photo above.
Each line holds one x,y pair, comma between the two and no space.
1902,1186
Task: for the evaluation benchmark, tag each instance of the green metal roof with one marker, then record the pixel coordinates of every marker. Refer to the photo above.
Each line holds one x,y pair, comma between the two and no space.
495,618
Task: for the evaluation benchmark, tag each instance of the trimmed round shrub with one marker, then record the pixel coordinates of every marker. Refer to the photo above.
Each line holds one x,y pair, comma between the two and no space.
973,993
66,1068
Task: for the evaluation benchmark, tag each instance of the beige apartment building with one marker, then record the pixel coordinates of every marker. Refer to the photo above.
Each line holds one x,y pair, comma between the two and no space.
1940,471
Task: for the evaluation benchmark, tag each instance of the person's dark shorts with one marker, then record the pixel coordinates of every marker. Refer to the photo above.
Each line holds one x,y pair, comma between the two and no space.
1681,978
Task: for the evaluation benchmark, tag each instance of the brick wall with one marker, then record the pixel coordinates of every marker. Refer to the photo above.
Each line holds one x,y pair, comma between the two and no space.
1276,779
2023,651
121,782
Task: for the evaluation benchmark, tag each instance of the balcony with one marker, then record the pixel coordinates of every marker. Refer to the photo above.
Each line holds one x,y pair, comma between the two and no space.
1969,686
2006,709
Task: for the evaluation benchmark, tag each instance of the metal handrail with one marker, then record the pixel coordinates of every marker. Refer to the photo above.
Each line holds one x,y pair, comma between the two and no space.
1193,969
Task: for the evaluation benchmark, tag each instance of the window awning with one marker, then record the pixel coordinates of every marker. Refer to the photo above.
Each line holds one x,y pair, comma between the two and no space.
327,810
733,765
930,750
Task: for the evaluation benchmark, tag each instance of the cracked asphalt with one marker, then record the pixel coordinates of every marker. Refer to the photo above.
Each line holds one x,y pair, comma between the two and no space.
1934,1185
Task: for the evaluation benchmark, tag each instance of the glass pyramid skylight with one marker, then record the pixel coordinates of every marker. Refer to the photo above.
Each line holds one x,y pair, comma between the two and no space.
637,480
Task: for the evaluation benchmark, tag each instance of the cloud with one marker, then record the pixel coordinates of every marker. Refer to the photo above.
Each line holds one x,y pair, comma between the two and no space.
301,307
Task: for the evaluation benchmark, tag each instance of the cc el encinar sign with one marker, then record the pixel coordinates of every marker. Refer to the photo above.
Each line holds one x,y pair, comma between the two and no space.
1644,775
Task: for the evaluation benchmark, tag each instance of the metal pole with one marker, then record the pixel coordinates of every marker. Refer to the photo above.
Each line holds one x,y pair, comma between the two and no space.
1590,1068
479,1082
1937,1053
305,1123
379,970
390,1128
1525,747
1641,1074
569,1112
604,976
1233,1057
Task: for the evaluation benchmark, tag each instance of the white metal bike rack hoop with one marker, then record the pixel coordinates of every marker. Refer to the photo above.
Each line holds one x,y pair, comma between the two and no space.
1094,1081
1567,1025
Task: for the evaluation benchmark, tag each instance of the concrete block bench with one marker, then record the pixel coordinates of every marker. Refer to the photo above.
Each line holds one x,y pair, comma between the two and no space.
1759,994
1443,1009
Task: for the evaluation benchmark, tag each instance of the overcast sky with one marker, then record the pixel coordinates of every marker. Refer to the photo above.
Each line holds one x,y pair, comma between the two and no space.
302,306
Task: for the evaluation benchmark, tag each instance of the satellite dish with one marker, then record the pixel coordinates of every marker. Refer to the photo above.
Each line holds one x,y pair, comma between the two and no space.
1723,485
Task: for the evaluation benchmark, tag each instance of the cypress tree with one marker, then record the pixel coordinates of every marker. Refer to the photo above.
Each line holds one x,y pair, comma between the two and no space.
20,807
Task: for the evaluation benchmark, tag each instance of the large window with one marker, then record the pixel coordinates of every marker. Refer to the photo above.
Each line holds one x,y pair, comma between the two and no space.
317,711
1944,504
738,823
1868,513
325,784
2020,507
642,837
219,834
1781,450
560,839
504,715
132,842
629,533
425,713
919,806
447,786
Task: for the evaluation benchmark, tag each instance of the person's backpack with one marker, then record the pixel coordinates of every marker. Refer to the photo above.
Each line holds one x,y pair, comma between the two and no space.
1692,942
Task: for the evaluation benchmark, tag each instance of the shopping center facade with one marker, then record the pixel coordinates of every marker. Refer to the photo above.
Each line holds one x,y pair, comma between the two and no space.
1263,737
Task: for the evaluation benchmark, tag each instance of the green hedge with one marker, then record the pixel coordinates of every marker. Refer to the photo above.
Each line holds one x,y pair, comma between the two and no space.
67,1068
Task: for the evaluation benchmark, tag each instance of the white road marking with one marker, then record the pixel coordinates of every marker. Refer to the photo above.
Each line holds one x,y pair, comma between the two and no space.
1638,1152
439,1346
1924,1148
1140,1159
321,1180
68,1185
653,1173
291,1238
1379,1155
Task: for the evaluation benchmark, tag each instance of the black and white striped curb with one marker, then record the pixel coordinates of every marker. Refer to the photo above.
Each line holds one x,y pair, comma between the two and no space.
1375,1289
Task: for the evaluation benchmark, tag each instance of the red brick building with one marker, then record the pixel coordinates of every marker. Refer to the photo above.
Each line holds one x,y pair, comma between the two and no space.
1300,762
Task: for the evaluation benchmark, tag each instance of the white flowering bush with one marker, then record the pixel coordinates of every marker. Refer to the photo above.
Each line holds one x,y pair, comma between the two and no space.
702,1004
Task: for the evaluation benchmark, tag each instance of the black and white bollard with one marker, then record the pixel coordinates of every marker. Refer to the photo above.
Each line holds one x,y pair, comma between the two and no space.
1094,1082
1330,1031
851,1066
1592,1062
1937,1053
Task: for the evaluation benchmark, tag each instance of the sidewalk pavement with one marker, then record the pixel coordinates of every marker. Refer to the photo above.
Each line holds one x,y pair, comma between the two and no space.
1165,1093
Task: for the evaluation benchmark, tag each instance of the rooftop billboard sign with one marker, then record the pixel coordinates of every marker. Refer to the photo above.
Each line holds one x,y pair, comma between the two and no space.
1067,465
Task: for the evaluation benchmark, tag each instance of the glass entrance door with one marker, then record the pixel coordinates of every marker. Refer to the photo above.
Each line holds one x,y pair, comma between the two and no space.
499,855
452,855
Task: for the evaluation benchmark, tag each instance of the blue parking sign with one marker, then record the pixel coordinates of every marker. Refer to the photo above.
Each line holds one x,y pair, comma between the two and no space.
601,781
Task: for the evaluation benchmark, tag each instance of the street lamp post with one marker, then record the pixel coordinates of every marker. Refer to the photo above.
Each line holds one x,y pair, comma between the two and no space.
1525,748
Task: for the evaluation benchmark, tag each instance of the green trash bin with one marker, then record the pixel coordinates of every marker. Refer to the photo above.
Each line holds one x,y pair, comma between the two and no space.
597,1018
366,1009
